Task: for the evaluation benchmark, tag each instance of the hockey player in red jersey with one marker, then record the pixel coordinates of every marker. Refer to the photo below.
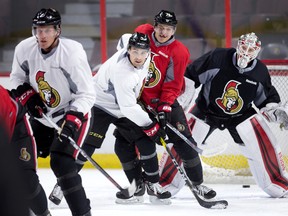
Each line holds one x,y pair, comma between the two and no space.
52,73
169,59
232,81
15,123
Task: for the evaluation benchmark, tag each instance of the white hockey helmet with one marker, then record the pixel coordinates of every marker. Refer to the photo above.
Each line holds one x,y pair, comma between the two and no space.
248,48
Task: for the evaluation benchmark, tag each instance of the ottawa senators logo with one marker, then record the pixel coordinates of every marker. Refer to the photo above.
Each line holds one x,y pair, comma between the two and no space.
230,102
48,94
24,155
154,74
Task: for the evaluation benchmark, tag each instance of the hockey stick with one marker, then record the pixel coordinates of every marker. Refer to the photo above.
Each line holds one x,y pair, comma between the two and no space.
192,145
126,191
217,204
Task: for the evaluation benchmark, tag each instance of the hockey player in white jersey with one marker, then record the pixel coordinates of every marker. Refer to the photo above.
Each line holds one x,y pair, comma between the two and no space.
232,81
118,84
54,77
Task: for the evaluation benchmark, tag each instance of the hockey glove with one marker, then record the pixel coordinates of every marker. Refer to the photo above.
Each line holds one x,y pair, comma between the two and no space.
71,125
164,114
155,132
269,112
30,99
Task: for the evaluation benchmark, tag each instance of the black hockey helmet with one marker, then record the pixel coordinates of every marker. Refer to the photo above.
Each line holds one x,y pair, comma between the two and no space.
46,17
139,40
166,17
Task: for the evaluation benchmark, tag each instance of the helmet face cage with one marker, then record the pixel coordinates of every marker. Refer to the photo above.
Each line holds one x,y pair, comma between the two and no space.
165,17
139,40
248,46
46,17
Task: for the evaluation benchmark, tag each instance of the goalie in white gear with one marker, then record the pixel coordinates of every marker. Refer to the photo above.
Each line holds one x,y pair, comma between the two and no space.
232,80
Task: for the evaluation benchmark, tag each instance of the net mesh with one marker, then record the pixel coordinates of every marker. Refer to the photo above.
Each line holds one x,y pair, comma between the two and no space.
229,164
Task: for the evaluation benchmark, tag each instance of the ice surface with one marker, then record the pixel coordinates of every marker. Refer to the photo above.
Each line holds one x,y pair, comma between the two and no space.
101,192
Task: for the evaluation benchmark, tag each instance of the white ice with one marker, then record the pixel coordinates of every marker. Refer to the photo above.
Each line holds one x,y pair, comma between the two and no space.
101,192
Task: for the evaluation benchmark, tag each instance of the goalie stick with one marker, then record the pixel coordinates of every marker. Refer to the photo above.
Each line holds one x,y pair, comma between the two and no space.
215,204
126,191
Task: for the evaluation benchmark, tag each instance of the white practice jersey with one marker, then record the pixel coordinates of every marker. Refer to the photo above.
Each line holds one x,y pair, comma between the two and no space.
118,84
62,77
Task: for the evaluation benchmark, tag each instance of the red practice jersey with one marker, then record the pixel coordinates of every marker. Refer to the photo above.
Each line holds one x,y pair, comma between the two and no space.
8,111
166,71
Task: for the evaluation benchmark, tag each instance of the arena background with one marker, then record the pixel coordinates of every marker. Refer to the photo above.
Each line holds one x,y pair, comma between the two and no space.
97,24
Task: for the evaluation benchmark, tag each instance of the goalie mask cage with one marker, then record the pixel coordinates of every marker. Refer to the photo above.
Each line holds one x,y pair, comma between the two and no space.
229,165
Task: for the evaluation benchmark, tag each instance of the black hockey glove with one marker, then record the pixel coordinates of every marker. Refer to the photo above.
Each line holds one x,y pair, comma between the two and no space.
155,132
164,114
71,125
30,99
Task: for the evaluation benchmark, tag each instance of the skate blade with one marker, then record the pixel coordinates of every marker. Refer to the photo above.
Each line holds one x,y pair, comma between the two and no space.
156,201
131,201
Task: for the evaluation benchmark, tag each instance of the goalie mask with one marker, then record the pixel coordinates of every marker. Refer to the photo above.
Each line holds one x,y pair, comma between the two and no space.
248,48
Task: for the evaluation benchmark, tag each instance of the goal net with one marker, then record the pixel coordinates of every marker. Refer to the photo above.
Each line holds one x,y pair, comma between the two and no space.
228,164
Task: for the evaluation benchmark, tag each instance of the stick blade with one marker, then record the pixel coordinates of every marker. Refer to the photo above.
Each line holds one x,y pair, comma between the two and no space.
211,204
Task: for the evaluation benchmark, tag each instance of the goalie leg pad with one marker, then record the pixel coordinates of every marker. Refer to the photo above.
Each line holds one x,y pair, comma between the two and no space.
170,179
264,156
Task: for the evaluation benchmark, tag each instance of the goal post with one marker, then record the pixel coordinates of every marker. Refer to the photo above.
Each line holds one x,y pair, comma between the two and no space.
229,165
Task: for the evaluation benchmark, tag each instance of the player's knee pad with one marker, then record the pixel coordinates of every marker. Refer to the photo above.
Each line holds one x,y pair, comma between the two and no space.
71,185
70,182
124,150
35,196
264,156
32,183
62,164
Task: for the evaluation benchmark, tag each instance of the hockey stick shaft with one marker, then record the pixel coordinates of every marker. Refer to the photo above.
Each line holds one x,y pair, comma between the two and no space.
204,203
126,191
178,133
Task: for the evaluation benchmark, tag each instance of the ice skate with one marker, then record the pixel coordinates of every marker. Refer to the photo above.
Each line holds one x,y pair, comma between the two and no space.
136,198
157,195
204,191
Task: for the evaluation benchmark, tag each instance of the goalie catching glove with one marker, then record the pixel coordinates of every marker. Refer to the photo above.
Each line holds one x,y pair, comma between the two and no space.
30,99
277,113
164,113
72,123
155,132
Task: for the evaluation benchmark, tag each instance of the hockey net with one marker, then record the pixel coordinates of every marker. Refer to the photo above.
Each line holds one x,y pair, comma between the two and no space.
228,164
